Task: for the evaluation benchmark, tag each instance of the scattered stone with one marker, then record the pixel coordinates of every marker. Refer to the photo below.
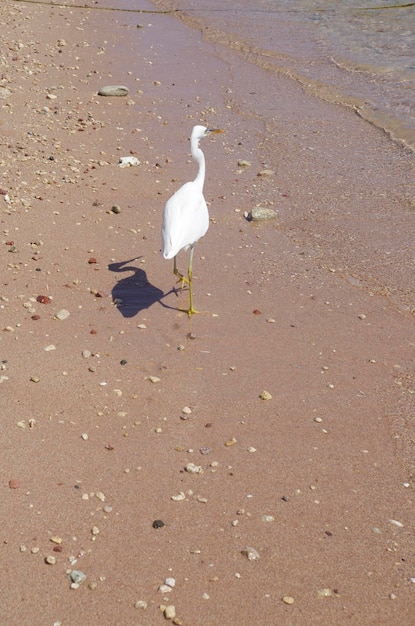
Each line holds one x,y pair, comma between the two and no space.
396,523
113,90
141,604
129,161
50,560
165,589
231,442
43,299
265,173
171,582
77,576
5,93
205,450
116,209
170,612
56,539
14,484
250,553
84,436
158,523
325,593
186,410
288,600
258,213
63,314
153,379
179,497
34,379
243,163
191,468
34,550
268,518
265,395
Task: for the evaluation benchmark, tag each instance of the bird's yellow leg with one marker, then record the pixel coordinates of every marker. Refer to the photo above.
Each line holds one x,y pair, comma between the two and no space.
176,272
191,309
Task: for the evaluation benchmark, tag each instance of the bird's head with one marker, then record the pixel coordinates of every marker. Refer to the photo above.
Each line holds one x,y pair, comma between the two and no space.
199,132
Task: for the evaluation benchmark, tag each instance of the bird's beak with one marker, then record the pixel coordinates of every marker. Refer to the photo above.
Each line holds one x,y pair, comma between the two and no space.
214,131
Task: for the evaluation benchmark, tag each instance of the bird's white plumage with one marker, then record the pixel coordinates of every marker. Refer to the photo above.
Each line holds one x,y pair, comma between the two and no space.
186,216
185,221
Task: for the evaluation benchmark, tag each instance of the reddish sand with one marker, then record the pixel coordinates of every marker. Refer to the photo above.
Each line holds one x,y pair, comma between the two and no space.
329,456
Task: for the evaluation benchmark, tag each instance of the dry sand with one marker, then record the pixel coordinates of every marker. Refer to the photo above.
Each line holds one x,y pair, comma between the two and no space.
95,441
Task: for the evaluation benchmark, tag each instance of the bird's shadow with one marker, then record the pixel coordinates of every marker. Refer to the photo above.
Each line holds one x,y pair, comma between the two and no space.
134,293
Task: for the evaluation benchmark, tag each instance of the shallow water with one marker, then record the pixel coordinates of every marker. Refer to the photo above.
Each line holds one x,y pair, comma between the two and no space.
358,53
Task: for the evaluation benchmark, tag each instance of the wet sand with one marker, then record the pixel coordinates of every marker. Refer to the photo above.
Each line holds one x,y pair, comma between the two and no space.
95,439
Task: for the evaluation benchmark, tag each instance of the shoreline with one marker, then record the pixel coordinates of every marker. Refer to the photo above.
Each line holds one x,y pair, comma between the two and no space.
105,409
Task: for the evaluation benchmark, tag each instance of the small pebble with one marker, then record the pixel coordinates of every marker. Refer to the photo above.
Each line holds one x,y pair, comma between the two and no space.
180,496
268,518
57,540
265,395
153,379
141,604
84,436
170,611
396,523
325,593
113,90
191,468
158,523
165,588
171,582
250,553
63,314
186,410
77,576
288,600
50,560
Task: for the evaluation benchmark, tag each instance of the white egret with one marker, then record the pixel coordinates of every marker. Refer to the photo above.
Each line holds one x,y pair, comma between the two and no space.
186,216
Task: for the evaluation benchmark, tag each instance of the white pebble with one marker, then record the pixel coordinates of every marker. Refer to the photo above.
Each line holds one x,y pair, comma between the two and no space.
396,523
250,553
141,604
170,612
170,582
191,468
180,496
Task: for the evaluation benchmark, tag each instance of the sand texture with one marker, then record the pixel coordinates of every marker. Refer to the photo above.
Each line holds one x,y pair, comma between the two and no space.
138,445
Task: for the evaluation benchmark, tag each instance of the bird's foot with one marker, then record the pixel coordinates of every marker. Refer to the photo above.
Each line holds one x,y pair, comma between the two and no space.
182,279
191,311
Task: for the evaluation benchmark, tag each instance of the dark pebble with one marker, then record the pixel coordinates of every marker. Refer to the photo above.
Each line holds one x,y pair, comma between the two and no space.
123,362
285,498
158,523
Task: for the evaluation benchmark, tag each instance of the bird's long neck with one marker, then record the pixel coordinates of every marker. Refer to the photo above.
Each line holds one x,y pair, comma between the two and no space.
199,157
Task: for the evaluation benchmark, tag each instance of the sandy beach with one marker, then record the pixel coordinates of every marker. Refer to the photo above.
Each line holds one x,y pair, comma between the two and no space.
138,446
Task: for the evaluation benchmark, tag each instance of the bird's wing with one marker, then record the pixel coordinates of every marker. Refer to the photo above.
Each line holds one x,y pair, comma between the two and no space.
185,219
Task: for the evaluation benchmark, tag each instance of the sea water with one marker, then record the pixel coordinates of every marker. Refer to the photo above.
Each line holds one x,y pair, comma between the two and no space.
358,53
